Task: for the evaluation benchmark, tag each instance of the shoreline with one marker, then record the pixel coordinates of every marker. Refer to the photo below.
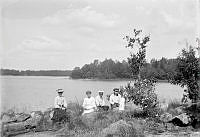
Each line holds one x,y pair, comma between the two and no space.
86,79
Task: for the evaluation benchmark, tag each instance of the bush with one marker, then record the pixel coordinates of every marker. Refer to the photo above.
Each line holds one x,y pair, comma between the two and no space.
143,94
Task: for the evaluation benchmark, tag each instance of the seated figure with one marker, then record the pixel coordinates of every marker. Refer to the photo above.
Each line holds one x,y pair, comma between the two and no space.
60,106
89,104
115,98
100,102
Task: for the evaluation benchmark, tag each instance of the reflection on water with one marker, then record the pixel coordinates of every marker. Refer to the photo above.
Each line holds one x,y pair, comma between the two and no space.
38,93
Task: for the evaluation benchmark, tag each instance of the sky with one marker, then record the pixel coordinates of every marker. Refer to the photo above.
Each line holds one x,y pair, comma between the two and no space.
63,34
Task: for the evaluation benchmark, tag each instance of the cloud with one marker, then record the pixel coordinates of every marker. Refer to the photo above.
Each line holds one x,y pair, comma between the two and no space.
82,17
43,43
178,24
173,21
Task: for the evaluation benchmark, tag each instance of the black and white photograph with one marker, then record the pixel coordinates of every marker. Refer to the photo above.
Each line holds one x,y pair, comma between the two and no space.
100,68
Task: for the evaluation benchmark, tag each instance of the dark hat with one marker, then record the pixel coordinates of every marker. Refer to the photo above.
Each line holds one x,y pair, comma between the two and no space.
60,90
88,92
116,89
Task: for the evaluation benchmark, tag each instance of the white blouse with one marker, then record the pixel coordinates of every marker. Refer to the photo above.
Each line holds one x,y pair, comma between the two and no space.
60,101
100,101
89,105
115,99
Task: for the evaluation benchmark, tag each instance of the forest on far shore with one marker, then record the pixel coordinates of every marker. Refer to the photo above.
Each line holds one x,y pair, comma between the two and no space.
109,69
14,72
160,69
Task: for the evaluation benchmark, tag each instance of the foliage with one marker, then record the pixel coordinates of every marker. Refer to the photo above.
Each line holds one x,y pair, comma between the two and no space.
137,60
107,69
35,73
158,69
143,94
187,70
143,91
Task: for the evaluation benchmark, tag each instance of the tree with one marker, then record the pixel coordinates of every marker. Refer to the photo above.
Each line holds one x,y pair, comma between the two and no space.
143,91
76,73
187,70
137,60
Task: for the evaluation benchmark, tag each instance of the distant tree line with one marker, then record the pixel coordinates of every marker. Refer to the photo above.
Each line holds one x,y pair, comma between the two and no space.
110,69
36,73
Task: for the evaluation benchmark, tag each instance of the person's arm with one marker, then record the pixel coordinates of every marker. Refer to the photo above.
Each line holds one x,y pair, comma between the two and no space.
103,103
56,103
111,99
97,101
119,98
65,103
94,104
86,106
84,103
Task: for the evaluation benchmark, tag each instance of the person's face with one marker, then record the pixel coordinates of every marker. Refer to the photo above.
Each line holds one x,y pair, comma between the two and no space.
100,94
88,95
60,94
116,93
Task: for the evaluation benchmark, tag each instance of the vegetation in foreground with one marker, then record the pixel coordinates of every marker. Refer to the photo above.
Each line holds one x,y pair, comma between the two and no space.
134,122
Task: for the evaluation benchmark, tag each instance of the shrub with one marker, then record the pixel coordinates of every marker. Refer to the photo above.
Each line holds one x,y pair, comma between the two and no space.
143,94
187,73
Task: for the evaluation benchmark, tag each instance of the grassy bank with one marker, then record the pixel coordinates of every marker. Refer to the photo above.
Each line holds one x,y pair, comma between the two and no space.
130,123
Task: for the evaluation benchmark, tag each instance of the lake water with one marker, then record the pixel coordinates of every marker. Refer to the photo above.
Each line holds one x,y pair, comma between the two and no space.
25,93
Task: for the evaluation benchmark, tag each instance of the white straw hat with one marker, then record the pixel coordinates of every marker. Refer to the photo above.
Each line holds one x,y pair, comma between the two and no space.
101,91
60,90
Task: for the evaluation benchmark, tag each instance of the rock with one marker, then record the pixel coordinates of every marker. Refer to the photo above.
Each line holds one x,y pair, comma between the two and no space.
179,110
6,119
181,120
88,119
22,117
184,118
35,119
23,123
13,127
166,117
122,128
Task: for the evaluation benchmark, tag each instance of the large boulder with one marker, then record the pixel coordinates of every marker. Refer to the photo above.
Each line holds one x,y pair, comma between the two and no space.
122,128
89,119
181,120
22,117
35,120
6,118
22,124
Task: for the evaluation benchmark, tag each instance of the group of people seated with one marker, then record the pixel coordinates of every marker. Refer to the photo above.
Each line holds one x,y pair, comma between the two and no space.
91,104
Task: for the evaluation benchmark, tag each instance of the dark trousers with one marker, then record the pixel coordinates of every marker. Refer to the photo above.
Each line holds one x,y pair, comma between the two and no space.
103,108
114,105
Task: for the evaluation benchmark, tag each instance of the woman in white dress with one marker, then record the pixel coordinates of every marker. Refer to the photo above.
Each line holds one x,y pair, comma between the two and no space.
89,104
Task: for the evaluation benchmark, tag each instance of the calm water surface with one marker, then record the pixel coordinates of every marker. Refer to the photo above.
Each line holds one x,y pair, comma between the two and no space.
38,93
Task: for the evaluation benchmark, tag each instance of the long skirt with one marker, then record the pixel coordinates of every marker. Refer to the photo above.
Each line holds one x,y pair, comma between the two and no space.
60,115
